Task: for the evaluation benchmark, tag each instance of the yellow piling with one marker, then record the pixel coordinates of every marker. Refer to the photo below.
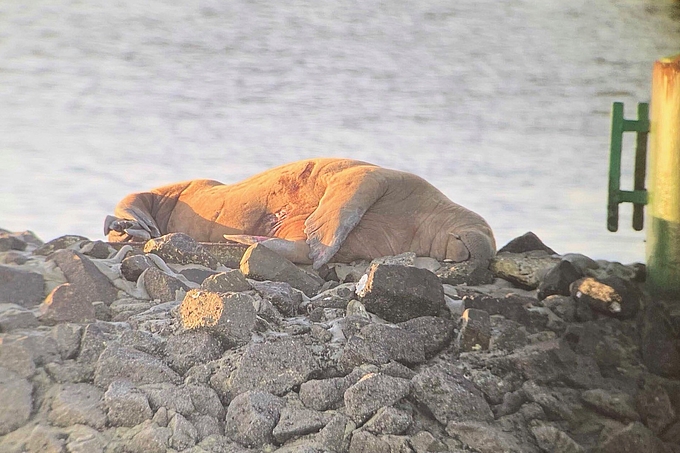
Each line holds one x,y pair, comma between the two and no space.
663,209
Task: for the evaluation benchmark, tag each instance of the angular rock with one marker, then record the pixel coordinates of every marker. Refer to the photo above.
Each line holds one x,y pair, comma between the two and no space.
475,331
181,249
230,316
126,405
507,335
552,405
512,306
449,396
659,340
544,362
196,273
21,287
558,279
281,295
251,418
69,371
435,332
399,293
296,422
552,439
161,286
336,297
9,241
365,442
206,426
324,394
77,404
261,263
97,249
424,442
523,269
67,303
379,344
205,400
144,341
617,405
86,279
16,401
67,337
13,317
526,243
485,438
45,439
191,348
133,266
172,397
83,439
389,420
231,281
372,392
274,367
118,362
184,434
562,306
655,407
634,438
22,351
151,438
470,273
59,243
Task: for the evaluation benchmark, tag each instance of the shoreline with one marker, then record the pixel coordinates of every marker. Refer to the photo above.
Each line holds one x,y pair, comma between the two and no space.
179,346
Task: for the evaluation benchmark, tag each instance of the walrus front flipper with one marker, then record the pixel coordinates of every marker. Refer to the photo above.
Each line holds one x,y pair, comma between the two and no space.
347,197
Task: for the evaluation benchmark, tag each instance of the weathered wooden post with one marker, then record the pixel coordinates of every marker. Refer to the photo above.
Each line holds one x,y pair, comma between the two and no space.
663,210
662,196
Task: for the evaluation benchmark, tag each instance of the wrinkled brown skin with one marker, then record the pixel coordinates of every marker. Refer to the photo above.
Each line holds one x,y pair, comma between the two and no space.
324,209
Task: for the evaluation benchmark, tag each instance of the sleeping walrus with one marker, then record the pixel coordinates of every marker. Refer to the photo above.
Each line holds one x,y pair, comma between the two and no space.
312,211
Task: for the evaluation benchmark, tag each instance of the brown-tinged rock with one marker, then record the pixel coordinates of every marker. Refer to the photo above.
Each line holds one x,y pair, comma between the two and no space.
523,269
261,263
474,333
231,316
181,249
67,303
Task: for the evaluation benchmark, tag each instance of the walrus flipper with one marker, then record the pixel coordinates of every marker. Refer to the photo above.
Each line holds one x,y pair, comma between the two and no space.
348,196
141,226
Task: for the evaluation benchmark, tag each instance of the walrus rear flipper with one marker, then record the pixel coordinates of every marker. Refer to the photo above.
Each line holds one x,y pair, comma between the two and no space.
140,227
348,196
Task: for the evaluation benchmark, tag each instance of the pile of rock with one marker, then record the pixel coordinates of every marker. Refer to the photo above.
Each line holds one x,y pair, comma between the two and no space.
177,346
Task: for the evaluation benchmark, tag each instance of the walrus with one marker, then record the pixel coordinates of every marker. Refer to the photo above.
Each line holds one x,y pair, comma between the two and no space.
311,212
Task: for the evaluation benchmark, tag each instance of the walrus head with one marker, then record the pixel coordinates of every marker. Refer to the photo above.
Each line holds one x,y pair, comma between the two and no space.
474,244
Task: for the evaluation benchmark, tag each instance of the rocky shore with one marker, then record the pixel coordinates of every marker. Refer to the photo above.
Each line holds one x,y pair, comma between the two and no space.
177,346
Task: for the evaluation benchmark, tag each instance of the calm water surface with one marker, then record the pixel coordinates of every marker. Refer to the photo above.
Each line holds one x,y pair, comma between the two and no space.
502,105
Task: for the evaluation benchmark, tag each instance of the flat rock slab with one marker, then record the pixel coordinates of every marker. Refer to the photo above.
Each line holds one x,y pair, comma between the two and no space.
485,438
296,422
616,405
117,362
523,269
449,396
261,263
21,287
398,293
13,316
274,367
181,249
230,316
469,273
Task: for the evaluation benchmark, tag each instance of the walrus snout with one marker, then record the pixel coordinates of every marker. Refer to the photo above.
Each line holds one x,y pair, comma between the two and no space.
471,244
